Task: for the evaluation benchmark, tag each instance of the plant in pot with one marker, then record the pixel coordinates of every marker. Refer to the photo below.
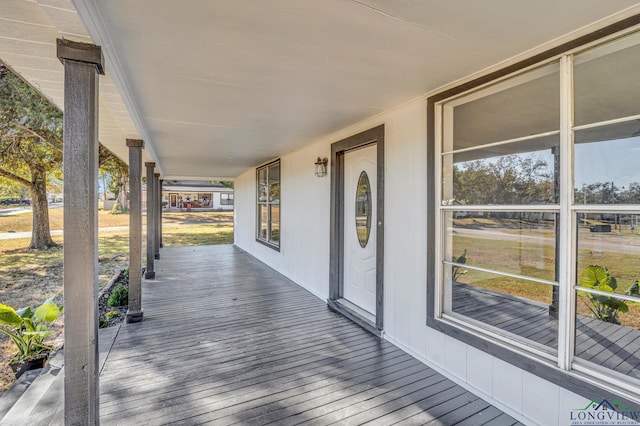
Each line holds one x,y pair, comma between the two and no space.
28,328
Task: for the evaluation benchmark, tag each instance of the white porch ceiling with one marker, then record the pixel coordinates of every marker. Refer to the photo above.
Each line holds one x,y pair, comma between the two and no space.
215,87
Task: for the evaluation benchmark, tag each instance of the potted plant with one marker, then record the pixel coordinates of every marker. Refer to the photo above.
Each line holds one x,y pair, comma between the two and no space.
27,328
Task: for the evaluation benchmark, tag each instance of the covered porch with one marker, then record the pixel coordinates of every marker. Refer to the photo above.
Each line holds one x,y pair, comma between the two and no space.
237,342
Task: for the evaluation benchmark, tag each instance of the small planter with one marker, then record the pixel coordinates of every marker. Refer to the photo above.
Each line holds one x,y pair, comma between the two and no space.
21,367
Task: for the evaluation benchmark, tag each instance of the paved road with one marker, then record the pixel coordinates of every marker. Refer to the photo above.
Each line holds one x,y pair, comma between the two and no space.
601,241
13,211
16,235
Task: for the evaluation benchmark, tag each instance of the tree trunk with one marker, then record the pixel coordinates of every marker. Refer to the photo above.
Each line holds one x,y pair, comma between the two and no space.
40,234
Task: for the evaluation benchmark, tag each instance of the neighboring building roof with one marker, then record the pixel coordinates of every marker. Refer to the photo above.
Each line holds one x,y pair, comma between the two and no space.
192,186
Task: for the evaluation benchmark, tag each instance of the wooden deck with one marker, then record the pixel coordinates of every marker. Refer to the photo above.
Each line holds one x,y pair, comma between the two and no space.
227,340
609,345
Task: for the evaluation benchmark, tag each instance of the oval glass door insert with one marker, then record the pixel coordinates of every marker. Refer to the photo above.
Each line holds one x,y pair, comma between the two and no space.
363,209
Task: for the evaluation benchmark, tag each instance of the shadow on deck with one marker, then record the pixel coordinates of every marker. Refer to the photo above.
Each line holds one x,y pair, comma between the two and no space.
609,345
227,340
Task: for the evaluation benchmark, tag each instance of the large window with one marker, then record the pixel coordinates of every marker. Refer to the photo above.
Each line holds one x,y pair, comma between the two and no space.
268,202
538,204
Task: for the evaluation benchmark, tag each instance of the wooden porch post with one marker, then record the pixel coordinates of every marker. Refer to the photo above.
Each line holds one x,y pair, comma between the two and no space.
160,215
82,62
156,241
150,273
134,313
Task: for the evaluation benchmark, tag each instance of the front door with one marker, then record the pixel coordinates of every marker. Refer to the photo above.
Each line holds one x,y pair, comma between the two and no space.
360,206
173,200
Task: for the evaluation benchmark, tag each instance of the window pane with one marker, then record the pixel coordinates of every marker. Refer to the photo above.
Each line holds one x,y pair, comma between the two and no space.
608,260
608,344
520,243
606,164
518,307
606,82
518,173
274,172
525,105
275,223
610,240
263,221
262,185
274,192
274,183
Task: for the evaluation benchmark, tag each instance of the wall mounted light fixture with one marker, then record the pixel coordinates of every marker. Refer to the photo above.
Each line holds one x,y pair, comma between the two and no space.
321,167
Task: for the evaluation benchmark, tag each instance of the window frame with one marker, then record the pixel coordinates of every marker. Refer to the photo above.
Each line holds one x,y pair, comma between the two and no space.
268,241
561,369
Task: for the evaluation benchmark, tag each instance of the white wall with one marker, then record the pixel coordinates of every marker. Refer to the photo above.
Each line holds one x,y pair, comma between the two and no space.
304,258
304,209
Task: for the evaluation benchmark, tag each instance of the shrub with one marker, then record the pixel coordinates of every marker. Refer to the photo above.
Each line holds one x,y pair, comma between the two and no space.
103,322
119,296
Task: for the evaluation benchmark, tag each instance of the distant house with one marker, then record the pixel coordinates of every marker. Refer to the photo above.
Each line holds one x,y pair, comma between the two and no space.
202,196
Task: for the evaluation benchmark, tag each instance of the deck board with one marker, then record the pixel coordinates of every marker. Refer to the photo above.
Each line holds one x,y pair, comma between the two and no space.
226,340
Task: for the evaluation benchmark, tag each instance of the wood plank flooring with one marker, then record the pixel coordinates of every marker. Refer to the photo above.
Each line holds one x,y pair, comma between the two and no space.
227,340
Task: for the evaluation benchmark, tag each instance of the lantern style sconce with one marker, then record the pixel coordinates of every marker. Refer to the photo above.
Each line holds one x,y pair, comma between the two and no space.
321,167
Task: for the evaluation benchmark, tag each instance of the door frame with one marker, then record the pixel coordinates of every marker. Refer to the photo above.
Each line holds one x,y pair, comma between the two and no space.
336,262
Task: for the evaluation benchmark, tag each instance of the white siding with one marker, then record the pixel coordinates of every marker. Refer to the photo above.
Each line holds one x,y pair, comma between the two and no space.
304,258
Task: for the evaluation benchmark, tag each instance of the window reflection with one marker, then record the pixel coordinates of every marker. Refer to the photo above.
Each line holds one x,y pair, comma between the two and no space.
519,173
606,82
606,165
606,326
519,107
520,243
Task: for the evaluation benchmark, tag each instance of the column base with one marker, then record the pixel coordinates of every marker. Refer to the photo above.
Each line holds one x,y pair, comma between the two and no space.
149,275
156,256
134,316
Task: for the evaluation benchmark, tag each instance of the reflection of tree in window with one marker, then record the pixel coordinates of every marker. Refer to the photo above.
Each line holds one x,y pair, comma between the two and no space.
512,179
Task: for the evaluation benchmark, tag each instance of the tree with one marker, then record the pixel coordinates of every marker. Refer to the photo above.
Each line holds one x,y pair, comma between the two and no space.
31,141
225,183
30,147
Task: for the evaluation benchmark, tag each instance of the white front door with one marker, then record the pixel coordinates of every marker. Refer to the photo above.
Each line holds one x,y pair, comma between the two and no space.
360,205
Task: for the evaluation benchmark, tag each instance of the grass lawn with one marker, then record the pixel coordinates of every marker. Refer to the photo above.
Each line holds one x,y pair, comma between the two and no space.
28,277
22,222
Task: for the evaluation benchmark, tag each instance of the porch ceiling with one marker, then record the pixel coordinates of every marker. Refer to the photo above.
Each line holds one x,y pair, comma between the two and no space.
215,87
